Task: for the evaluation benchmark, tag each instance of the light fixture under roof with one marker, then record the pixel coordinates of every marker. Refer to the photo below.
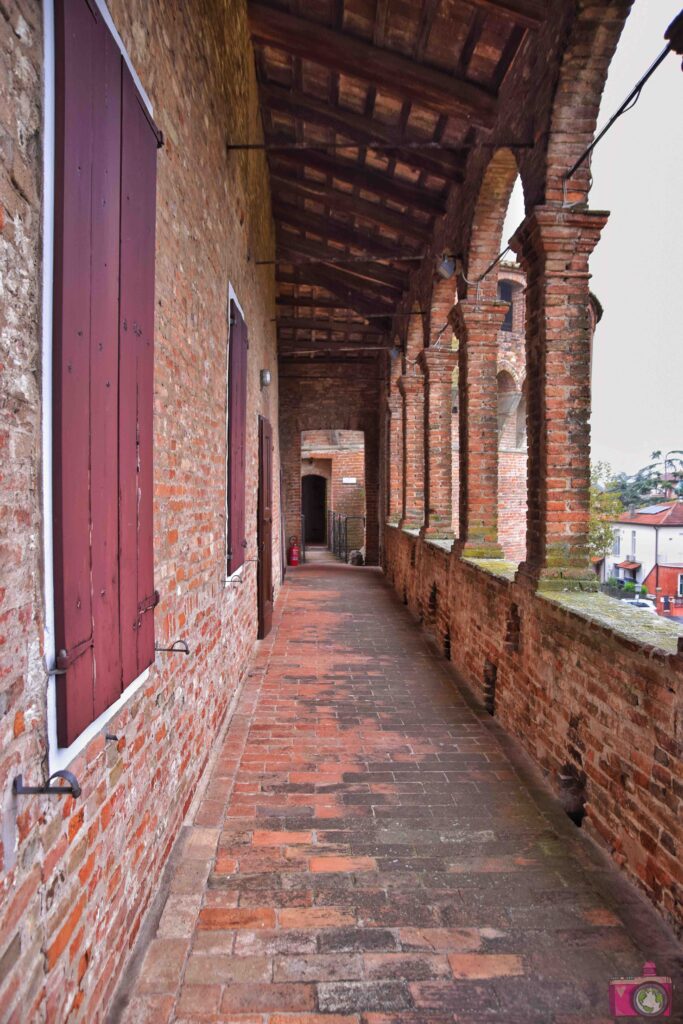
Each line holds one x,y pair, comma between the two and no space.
446,265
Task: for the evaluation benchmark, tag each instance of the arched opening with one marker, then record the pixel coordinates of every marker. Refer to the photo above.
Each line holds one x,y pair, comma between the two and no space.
333,490
508,400
512,498
313,504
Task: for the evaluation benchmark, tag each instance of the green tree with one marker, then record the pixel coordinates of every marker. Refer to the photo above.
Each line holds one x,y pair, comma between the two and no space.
652,481
605,507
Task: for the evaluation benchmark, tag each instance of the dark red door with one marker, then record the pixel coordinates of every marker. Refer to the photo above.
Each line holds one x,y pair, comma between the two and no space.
265,529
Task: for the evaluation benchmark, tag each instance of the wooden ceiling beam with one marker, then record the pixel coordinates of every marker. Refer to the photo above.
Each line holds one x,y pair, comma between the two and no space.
305,301
529,13
370,180
308,323
288,345
391,71
352,297
334,231
293,247
449,164
401,223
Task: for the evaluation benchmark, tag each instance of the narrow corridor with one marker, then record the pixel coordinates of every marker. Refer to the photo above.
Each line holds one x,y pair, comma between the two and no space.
371,850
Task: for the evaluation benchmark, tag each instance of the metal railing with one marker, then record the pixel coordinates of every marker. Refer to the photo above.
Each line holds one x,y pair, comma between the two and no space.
344,534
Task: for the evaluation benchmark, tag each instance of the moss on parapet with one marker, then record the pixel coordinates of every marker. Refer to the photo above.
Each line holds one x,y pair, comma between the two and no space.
635,624
495,566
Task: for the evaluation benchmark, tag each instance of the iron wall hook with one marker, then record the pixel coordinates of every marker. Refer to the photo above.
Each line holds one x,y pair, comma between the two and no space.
177,647
73,788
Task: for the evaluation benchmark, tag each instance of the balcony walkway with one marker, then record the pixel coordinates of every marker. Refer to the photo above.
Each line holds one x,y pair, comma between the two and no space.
370,850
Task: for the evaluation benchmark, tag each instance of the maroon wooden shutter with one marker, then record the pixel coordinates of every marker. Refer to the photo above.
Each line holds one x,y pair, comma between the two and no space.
96,108
104,370
136,395
75,29
237,439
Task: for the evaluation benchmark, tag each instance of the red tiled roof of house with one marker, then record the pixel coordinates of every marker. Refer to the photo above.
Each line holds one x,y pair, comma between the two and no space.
671,514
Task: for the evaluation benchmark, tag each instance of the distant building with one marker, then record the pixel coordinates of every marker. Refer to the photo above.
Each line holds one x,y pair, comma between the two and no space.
648,549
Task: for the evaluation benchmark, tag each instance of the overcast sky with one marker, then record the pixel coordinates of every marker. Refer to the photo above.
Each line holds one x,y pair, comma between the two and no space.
637,266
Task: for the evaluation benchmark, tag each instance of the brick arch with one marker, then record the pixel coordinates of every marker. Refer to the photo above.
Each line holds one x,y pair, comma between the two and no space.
517,377
508,400
592,42
443,297
485,240
417,337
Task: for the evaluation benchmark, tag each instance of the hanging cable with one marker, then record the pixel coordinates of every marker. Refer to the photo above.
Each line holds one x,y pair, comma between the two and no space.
628,104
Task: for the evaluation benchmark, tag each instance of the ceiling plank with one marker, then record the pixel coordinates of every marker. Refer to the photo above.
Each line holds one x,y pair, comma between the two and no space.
316,302
334,230
291,247
448,164
354,297
529,13
304,323
343,202
364,178
391,71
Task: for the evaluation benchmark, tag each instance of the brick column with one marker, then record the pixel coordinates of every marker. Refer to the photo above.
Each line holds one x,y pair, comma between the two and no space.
395,447
372,524
476,324
412,389
554,246
291,471
438,365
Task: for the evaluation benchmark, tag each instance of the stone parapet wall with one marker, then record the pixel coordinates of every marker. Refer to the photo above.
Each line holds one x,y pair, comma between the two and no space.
599,713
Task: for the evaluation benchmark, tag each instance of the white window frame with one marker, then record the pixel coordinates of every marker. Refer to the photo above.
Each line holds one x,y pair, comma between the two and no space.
228,581
60,757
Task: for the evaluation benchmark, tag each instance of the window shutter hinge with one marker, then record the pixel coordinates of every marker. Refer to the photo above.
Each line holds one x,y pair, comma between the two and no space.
147,604
65,659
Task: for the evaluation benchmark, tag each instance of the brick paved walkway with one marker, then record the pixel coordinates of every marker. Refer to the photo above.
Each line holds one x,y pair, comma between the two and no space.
367,852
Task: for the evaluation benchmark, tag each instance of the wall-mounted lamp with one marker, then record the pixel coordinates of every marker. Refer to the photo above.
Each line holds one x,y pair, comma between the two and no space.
265,378
446,265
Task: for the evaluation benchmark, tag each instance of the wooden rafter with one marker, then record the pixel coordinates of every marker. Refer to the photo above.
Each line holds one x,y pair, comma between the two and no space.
333,230
388,70
375,181
314,302
445,163
359,296
292,248
528,13
303,323
342,202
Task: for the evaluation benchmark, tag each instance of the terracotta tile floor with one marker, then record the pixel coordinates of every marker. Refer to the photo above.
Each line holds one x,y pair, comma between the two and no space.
370,850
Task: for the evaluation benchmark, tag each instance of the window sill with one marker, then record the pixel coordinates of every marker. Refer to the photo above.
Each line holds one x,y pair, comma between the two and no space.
235,578
62,757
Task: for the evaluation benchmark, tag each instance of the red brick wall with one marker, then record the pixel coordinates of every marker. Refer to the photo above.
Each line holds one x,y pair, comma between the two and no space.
337,454
324,397
77,876
576,695
512,503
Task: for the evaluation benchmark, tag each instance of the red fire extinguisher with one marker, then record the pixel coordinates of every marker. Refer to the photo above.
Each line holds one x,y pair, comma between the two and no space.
293,551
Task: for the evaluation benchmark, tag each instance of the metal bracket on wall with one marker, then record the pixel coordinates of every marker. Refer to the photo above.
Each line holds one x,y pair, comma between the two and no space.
177,647
73,788
237,576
